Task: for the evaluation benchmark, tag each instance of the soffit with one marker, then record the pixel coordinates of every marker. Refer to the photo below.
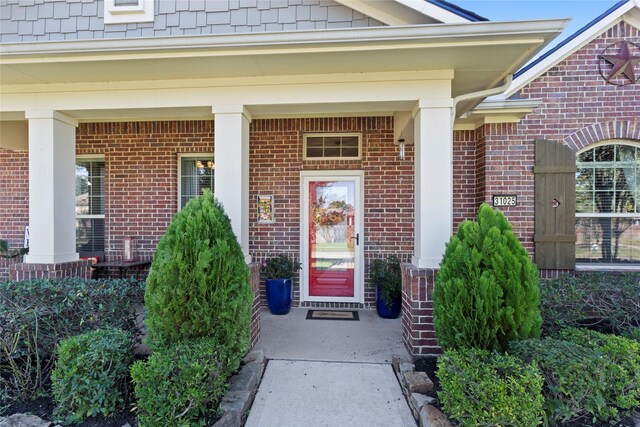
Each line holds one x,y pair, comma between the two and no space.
480,54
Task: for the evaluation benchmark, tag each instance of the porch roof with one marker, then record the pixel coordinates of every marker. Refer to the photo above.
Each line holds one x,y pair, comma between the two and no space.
479,54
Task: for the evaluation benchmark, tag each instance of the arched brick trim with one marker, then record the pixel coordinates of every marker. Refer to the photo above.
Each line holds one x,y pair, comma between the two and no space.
618,129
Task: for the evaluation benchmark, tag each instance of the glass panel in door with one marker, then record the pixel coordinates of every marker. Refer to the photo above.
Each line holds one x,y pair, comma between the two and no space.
332,238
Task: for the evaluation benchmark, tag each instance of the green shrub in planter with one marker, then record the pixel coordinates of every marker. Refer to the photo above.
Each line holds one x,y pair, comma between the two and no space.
576,379
181,385
487,291
199,282
623,376
91,374
480,388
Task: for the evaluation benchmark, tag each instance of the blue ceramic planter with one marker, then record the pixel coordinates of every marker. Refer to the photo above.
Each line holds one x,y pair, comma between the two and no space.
385,311
279,295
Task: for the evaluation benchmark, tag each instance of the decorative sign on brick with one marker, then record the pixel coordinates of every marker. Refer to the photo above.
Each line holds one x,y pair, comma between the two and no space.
505,200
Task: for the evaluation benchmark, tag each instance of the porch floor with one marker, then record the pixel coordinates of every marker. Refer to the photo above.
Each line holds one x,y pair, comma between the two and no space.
293,337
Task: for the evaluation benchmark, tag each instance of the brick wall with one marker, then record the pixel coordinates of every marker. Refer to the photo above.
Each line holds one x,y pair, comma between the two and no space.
141,184
578,108
276,160
14,196
464,177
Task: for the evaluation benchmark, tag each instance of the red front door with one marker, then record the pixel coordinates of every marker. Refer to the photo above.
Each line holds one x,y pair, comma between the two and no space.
332,238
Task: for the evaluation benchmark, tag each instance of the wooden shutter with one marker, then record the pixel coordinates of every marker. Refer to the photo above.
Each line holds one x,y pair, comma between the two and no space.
555,205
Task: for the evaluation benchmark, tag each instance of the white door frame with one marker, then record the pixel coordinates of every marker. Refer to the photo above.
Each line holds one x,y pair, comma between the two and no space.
358,280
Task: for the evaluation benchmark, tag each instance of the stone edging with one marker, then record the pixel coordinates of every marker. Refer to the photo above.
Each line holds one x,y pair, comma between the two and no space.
415,385
242,389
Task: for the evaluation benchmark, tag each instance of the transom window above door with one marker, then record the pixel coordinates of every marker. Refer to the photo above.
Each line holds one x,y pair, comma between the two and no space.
195,174
332,146
607,210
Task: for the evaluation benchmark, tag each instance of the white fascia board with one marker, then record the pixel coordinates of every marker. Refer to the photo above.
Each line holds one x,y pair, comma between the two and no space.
275,43
403,12
571,47
433,11
510,105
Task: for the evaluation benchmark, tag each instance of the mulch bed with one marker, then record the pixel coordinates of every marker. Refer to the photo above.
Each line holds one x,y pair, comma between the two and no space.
428,366
43,407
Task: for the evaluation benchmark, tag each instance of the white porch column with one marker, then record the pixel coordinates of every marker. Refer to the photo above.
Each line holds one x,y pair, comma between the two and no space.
52,187
433,134
231,152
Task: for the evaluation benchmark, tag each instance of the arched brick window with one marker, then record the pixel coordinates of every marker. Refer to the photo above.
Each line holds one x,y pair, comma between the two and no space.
607,208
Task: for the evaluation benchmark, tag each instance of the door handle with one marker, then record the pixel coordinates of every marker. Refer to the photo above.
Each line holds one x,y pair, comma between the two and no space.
357,237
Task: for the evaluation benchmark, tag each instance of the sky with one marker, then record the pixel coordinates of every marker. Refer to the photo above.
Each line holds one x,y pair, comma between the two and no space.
581,11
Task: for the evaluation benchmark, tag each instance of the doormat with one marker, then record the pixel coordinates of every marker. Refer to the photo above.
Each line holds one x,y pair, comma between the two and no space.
333,315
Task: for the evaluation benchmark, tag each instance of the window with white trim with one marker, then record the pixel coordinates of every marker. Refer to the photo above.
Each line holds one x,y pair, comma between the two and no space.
128,11
344,146
607,212
90,193
195,174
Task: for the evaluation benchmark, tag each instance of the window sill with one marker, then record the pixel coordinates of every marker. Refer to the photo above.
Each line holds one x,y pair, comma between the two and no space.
607,267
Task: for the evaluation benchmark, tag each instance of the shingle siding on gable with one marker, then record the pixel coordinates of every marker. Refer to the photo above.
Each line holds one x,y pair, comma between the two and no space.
39,20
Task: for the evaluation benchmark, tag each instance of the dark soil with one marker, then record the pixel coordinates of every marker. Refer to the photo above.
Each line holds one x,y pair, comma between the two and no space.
43,407
428,366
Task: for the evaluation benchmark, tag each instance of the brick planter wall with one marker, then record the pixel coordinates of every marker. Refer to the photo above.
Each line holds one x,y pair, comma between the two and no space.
418,332
23,271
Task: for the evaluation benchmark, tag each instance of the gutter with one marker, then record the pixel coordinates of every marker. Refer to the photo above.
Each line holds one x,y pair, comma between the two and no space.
479,94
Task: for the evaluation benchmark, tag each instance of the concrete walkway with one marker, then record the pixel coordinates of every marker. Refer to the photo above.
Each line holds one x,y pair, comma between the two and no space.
329,373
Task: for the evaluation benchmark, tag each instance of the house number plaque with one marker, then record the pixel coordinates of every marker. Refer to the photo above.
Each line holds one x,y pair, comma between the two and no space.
505,200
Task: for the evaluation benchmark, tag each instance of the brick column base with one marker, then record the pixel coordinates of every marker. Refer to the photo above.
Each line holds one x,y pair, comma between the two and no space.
24,271
418,332
6,265
254,267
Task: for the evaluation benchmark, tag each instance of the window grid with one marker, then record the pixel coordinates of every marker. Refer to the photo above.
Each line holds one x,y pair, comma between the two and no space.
607,212
90,201
332,146
196,173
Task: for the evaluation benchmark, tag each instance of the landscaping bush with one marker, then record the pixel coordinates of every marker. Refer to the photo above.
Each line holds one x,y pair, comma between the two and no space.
604,301
181,385
487,291
480,388
633,333
35,315
623,376
577,379
199,282
91,374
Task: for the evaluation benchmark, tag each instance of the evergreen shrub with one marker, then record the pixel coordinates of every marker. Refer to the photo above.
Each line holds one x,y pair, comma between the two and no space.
487,292
198,284
35,315
481,388
580,381
91,374
602,301
181,385
623,377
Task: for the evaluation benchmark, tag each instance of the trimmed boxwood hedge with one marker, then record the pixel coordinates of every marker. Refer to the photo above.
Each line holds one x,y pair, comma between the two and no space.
91,374
36,315
481,388
181,385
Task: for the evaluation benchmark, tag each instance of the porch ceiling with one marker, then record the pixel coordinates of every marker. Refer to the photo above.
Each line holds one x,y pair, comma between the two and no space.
480,54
